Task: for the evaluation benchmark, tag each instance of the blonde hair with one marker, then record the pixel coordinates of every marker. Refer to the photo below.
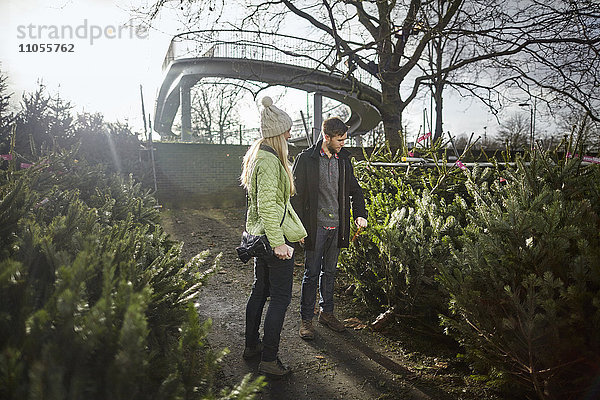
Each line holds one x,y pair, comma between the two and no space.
279,144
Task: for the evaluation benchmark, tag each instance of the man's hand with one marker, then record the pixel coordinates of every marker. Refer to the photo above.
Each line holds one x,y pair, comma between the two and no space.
283,252
361,222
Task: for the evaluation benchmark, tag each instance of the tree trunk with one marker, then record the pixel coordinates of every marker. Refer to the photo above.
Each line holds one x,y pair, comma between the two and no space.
392,127
438,90
391,113
438,100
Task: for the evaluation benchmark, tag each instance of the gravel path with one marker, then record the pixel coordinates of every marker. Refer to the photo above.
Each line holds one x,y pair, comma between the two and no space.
348,365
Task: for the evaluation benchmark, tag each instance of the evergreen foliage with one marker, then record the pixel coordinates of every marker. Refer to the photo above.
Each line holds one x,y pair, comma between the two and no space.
524,282
95,299
45,124
113,144
509,257
6,116
412,218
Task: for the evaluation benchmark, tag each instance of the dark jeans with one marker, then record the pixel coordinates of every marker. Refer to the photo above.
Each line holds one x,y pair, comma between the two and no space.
272,278
321,262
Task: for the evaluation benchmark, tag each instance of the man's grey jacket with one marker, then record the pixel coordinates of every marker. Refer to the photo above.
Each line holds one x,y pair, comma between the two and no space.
306,199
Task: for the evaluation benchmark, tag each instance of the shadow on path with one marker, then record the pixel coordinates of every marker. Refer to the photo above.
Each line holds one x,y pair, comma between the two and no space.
348,365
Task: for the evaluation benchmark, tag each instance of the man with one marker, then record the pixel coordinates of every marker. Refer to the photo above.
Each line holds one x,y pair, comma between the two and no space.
325,186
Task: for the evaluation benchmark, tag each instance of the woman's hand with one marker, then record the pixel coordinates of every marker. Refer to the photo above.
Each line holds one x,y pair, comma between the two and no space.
283,252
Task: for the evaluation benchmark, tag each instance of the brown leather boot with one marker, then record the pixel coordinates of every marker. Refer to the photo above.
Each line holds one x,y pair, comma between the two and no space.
329,320
274,368
307,330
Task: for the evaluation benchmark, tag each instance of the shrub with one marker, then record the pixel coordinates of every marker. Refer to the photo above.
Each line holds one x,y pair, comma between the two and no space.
524,282
413,215
513,250
95,300
45,125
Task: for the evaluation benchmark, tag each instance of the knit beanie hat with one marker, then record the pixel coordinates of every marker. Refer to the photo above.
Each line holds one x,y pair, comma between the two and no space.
273,121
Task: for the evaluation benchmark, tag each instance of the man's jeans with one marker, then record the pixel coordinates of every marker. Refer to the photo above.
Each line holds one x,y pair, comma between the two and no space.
272,278
320,262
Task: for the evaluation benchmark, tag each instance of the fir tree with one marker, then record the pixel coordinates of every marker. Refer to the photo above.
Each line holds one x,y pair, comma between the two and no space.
96,301
6,116
524,283
44,124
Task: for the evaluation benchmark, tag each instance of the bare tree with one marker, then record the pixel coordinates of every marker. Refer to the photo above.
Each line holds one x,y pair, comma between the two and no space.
547,51
461,141
491,49
215,115
388,45
514,132
441,51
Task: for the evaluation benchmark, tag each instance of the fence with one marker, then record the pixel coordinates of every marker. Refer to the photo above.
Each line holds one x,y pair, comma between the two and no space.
254,45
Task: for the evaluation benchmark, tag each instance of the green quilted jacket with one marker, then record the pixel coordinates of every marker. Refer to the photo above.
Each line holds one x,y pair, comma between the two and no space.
269,193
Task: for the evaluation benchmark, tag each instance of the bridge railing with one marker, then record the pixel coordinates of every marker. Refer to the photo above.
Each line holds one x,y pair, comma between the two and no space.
261,46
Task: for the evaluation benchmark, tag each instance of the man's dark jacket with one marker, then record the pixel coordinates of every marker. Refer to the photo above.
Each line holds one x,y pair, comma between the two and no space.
306,199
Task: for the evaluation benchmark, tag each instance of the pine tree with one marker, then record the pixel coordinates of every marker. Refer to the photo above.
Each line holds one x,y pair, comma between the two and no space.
524,283
96,301
412,218
6,116
44,124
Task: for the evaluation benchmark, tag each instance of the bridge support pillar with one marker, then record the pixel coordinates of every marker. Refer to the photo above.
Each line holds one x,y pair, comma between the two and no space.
317,115
186,111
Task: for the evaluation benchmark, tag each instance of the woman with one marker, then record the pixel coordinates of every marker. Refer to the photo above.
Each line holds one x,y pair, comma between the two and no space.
268,180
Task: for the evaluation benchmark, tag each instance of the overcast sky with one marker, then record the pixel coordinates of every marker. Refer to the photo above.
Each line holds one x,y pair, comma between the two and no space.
109,61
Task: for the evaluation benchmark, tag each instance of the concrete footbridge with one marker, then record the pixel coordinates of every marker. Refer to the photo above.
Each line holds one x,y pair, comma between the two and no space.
273,59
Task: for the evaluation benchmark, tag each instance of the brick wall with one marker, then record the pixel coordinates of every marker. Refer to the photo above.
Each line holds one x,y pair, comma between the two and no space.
199,175
203,175
207,175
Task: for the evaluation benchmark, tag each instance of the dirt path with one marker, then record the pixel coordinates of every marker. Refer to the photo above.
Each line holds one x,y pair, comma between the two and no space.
348,365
